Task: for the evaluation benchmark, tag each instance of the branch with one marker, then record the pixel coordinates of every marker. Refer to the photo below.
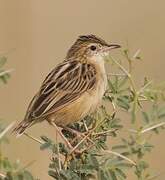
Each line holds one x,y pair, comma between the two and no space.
121,156
126,73
152,127
2,175
6,129
6,72
33,138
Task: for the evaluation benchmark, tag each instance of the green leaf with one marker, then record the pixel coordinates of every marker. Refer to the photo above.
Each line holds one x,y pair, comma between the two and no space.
120,173
119,147
94,162
46,145
112,87
53,174
102,175
46,139
3,60
113,175
145,117
123,82
27,175
123,102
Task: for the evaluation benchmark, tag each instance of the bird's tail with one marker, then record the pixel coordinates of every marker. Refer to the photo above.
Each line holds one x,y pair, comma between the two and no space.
21,127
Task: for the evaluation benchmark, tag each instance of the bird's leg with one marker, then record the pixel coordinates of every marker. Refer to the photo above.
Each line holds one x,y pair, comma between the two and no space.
80,142
81,137
86,128
77,133
72,149
61,134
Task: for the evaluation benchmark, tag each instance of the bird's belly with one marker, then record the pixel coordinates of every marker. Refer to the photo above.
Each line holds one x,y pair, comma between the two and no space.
86,104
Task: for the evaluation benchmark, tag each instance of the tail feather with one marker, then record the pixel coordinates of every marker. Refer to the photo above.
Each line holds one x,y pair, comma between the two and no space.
21,127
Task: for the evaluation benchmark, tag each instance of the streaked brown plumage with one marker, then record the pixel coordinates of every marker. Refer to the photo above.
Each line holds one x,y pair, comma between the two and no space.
73,88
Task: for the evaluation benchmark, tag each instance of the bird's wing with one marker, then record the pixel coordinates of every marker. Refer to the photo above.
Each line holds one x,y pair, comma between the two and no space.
66,83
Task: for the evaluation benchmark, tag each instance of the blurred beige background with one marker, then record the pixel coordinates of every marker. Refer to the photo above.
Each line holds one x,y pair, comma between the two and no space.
40,32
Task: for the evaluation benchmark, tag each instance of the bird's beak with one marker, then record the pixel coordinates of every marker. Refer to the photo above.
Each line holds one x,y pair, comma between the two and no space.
108,48
113,46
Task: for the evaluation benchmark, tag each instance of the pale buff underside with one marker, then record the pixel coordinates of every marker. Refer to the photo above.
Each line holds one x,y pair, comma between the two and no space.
85,104
75,111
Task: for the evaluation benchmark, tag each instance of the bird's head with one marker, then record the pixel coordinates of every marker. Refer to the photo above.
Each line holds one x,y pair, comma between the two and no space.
89,47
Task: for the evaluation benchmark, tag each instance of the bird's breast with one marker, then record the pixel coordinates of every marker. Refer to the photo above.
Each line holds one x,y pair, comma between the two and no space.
95,96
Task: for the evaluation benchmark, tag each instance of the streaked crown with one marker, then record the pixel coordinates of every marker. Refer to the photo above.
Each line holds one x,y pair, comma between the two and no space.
86,39
87,46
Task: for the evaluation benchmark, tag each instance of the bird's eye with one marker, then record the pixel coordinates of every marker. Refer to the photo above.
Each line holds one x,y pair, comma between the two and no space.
93,48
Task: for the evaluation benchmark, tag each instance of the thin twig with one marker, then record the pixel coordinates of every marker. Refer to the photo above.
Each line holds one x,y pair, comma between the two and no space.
77,134
156,176
120,66
115,74
144,87
86,128
132,130
152,127
27,165
62,136
2,175
6,129
136,54
126,72
113,106
78,144
6,72
104,132
33,138
90,132
121,156
142,99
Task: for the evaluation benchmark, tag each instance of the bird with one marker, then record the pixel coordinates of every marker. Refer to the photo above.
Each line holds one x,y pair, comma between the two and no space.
74,88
